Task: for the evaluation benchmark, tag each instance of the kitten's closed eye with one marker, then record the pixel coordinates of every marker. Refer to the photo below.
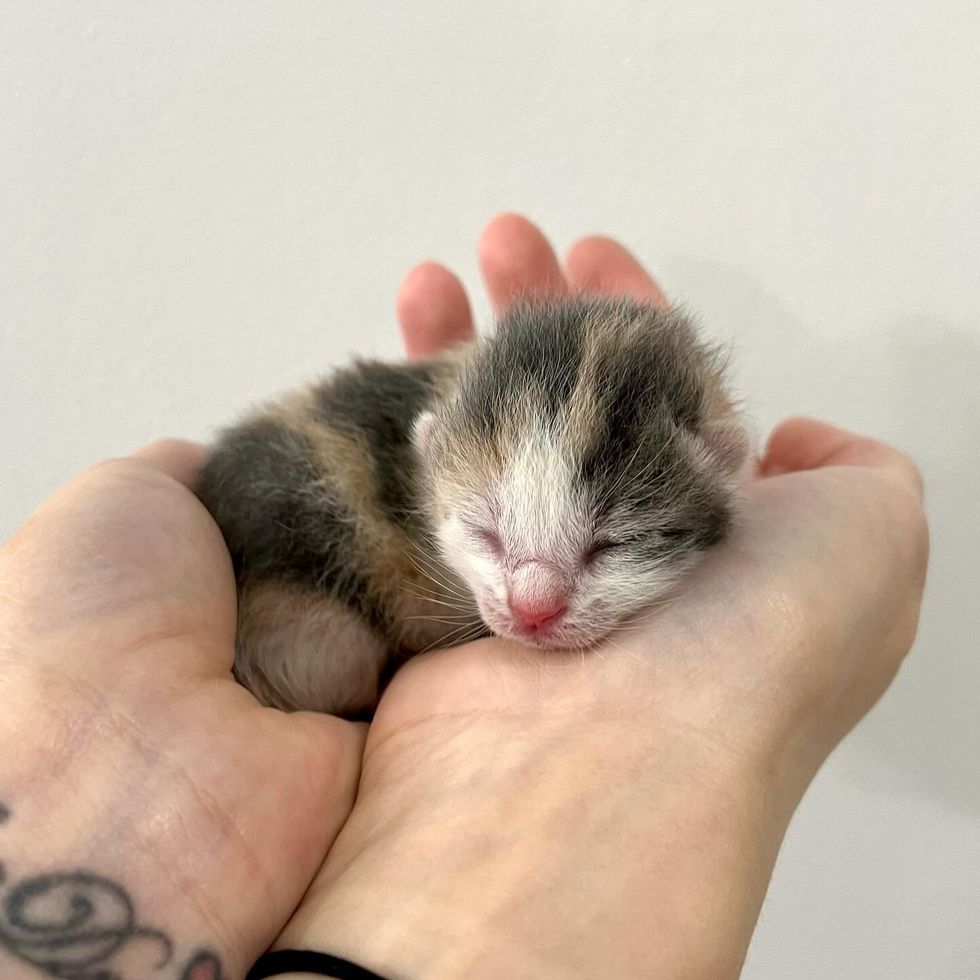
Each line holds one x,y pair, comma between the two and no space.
490,540
601,548
605,547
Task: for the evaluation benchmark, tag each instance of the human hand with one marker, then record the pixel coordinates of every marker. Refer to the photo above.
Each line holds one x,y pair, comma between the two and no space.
528,814
130,753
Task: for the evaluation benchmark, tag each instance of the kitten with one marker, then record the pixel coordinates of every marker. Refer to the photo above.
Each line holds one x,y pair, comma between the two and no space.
545,484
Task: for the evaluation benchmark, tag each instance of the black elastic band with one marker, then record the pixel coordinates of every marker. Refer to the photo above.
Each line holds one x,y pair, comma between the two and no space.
281,961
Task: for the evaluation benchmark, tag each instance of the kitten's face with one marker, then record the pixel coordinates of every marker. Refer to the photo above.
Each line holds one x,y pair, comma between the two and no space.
583,464
560,547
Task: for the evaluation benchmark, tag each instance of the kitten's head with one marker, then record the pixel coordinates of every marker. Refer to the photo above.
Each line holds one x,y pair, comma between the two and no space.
583,464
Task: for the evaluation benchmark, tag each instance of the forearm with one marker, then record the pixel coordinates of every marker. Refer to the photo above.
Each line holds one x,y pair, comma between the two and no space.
674,849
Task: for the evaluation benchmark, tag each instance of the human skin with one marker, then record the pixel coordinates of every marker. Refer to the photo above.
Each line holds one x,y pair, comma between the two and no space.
518,814
524,815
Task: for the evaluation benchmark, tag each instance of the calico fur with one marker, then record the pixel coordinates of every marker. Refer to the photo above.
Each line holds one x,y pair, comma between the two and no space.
342,503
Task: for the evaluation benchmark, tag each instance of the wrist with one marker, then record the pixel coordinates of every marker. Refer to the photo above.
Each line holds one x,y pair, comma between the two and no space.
113,848
86,880
570,847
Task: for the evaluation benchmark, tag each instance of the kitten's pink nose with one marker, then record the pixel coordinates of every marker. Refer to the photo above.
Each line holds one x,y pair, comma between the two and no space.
532,613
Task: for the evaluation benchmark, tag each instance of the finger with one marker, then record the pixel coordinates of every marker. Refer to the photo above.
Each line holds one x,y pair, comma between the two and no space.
518,262
433,311
807,444
600,265
177,458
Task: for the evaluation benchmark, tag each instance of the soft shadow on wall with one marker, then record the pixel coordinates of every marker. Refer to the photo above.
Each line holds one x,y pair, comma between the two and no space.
913,382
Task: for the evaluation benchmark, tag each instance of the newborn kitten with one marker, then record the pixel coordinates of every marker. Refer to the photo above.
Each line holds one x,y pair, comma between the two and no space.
544,484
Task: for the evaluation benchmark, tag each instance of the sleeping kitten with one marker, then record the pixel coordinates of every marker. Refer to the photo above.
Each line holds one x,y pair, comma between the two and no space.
545,484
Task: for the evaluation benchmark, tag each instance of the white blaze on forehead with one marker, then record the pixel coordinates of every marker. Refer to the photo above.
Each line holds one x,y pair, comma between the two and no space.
541,514
537,582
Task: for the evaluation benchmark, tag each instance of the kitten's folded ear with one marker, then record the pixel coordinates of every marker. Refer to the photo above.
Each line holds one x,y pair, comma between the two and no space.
728,442
423,432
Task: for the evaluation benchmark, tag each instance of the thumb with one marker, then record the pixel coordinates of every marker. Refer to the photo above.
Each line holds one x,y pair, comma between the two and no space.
808,444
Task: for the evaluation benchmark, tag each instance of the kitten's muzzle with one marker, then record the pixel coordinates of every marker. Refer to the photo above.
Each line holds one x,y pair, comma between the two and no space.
537,597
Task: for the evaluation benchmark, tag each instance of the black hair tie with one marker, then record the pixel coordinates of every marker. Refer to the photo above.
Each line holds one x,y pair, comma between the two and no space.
281,961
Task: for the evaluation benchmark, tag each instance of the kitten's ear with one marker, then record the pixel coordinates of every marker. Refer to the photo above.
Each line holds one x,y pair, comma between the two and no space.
728,442
423,432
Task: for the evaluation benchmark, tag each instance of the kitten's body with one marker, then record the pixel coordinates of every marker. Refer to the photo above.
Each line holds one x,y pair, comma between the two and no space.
586,449
318,499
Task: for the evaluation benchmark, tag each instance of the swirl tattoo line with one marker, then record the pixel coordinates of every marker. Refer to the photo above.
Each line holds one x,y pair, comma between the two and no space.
71,925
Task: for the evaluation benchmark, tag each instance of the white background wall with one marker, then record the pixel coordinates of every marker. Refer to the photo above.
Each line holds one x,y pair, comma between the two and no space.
201,204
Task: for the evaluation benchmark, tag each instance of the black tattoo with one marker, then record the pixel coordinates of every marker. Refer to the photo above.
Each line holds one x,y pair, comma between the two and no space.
72,925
